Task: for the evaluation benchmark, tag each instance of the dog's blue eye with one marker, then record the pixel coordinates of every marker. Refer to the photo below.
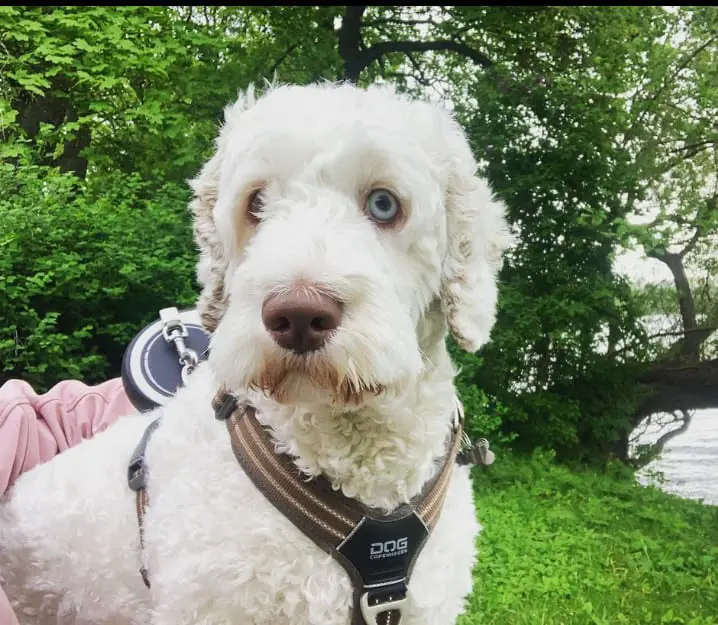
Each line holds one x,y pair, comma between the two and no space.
382,206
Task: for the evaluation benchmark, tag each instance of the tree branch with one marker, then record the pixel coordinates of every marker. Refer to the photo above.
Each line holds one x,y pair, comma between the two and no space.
682,332
371,54
667,82
692,115
691,243
692,342
653,450
686,387
685,424
692,146
282,58
398,22
398,76
704,212
683,64
421,76
357,57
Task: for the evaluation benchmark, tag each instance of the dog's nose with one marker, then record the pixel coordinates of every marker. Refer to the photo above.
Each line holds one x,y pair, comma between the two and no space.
301,320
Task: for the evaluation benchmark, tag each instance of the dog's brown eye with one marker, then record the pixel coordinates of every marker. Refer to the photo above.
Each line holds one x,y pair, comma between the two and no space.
383,207
255,205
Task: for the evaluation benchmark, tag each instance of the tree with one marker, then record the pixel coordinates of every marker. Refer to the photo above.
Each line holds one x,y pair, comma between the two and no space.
596,126
674,137
564,105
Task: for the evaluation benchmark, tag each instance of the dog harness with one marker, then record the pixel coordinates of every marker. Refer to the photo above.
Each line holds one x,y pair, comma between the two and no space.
377,550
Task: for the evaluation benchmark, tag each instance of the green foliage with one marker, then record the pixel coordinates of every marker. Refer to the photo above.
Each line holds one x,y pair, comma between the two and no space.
485,416
137,89
674,143
579,115
569,152
571,548
83,266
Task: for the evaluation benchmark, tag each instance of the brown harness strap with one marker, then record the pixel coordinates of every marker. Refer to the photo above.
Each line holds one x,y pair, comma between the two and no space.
137,481
142,501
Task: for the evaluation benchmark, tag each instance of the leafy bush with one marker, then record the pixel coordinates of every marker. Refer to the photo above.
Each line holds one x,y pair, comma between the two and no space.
84,265
484,414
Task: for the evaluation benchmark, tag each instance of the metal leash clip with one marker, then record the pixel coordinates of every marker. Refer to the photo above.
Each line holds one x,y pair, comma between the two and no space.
485,455
175,332
475,453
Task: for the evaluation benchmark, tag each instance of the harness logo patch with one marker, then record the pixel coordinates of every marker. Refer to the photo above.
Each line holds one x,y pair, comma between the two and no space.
388,548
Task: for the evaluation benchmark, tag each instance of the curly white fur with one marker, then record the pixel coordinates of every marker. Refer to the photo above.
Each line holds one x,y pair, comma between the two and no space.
370,410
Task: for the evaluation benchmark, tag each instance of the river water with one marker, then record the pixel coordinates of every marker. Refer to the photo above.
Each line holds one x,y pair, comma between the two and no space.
689,462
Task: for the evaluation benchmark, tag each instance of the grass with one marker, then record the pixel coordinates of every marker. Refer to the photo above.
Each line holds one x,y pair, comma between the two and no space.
566,548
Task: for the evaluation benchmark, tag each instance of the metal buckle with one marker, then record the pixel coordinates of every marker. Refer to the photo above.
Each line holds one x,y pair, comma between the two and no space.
136,475
371,612
136,470
171,322
486,456
475,453
226,408
458,417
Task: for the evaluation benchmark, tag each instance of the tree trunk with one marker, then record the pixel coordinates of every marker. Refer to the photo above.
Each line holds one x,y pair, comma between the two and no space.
680,387
689,347
691,343
54,109
357,57
350,42
542,349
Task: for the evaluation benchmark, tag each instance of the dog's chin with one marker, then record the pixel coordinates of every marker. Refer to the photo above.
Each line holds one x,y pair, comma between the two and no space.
313,379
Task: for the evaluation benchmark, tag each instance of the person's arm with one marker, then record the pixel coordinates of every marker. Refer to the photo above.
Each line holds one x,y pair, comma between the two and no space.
7,617
34,428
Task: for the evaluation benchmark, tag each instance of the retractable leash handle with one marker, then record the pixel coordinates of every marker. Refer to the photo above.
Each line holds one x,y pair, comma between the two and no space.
161,357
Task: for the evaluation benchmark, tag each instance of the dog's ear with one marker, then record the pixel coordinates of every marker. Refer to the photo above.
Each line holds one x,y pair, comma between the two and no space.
478,235
213,264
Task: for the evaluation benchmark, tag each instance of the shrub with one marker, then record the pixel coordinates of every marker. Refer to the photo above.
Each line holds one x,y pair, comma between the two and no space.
84,265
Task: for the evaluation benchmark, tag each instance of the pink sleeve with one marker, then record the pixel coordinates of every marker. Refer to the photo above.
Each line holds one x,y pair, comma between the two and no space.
6,614
34,428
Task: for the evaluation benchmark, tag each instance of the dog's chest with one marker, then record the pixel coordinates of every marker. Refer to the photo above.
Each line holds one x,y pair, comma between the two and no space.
216,547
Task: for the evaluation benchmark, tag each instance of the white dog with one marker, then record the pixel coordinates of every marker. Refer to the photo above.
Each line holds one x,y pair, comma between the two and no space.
341,231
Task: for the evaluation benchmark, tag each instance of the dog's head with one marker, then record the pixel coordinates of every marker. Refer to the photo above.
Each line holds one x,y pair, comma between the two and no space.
340,230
